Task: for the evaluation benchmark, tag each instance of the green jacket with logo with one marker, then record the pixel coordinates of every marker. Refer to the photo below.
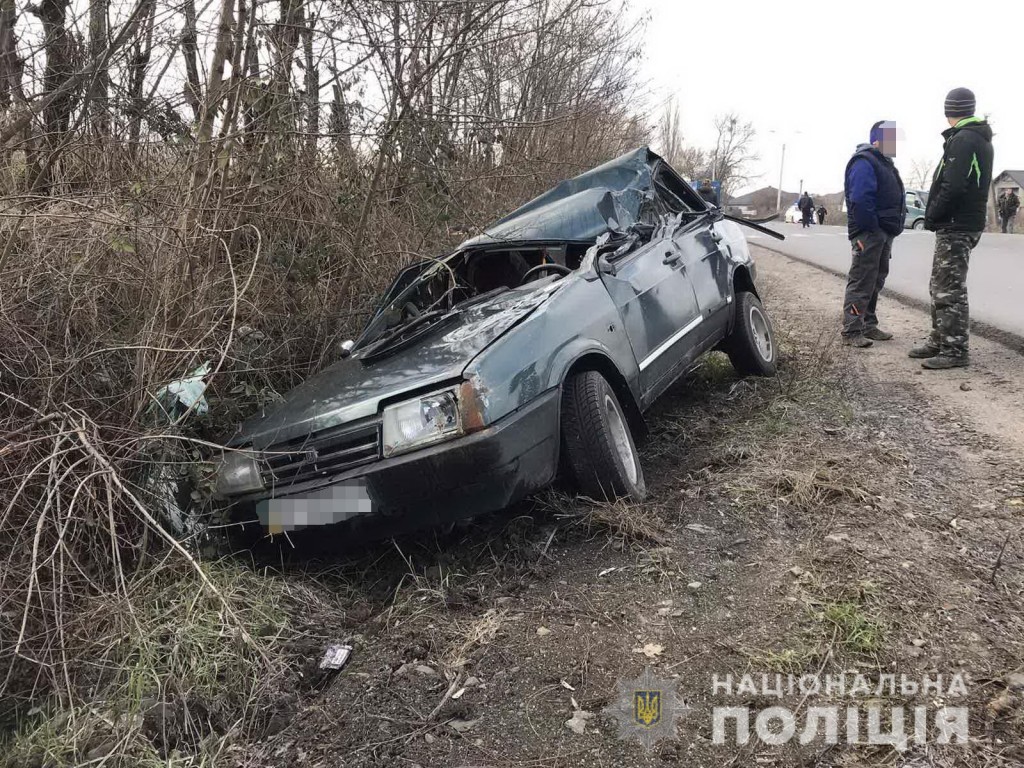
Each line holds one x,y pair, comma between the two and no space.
958,201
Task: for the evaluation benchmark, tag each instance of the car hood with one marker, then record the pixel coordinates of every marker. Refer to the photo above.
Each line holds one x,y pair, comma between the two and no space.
353,389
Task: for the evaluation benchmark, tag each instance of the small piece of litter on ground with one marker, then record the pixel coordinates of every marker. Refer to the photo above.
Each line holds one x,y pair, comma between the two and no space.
701,528
651,650
543,631
461,726
578,722
335,656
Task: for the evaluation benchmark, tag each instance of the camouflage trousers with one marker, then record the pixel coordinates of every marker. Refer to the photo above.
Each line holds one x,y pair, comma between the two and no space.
950,312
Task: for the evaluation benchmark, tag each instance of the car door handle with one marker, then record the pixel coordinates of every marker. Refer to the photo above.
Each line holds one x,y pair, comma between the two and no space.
672,257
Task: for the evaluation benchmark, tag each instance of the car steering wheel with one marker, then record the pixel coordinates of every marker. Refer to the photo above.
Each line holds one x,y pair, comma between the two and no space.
553,267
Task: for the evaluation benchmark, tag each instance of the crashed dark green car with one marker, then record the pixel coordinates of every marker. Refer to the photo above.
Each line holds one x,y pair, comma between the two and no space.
537,345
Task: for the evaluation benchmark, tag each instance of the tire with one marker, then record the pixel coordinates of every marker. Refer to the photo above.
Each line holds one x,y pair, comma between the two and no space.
919,224
751,346
596,440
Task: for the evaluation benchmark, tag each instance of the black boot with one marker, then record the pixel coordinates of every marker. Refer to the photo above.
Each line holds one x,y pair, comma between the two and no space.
944,362
923,351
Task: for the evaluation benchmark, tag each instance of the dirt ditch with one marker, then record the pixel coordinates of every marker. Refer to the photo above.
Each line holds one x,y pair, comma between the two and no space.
851,516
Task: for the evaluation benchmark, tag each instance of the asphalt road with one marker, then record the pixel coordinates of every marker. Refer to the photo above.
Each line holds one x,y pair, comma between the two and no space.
995,281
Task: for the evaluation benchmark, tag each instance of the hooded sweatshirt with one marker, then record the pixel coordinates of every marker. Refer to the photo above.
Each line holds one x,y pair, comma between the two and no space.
958,201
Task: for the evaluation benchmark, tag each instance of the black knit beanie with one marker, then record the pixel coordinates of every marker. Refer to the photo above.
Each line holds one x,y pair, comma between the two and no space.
960,103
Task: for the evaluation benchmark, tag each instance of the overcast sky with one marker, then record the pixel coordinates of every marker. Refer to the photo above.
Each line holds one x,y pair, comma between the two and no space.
829,70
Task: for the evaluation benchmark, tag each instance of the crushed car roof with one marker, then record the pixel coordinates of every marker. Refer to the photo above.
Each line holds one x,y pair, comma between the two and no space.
605,199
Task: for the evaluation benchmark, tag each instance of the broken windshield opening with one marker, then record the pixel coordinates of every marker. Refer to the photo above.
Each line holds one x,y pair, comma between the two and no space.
430,292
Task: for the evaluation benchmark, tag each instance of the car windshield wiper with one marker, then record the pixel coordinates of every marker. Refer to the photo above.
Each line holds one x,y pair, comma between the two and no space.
395,334
756,226
367,338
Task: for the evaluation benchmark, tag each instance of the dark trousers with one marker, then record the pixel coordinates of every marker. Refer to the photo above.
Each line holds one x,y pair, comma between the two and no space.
1007,222
948,288
806,219
868,270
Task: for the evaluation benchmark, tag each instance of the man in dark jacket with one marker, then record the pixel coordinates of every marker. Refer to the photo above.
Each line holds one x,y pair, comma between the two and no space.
822,213
875,200
806,206
1009,204
957,212
707,191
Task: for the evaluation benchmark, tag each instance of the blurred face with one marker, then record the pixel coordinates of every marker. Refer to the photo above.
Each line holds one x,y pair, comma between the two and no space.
890,139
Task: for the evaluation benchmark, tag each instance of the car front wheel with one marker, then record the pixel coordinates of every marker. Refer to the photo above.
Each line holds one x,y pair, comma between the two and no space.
751,345
919,224
597,441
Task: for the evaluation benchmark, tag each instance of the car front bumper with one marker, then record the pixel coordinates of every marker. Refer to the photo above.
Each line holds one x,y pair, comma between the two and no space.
481,472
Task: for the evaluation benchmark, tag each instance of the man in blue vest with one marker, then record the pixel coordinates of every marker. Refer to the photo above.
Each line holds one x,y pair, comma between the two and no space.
876,206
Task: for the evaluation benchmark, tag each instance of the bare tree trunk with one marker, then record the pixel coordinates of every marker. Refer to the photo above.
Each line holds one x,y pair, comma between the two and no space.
286,38
59,47
190,51
312,86
138,67
11,68
215,88
99,91
341,129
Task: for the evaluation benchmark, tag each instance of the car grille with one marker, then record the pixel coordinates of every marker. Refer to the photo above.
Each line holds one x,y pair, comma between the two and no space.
321,455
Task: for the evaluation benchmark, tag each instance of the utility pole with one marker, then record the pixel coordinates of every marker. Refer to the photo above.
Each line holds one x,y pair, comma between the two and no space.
778,192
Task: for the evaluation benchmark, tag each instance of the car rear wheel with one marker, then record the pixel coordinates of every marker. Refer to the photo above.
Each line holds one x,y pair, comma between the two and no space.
919,224
751,345
597,441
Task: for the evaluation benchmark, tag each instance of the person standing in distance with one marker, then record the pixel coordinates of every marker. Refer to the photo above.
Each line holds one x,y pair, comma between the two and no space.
806,205
707,191
957,212
1009,204
875,199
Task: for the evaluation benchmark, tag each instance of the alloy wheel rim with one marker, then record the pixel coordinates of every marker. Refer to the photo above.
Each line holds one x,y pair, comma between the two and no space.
620,437
762,336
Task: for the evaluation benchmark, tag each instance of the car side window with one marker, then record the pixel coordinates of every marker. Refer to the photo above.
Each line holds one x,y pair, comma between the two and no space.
675,195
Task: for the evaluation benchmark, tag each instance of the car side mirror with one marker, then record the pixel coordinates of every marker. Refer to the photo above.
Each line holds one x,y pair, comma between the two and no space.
345,348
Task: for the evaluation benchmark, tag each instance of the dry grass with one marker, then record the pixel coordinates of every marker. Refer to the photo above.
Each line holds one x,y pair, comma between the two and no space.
623,520
169,670
130,283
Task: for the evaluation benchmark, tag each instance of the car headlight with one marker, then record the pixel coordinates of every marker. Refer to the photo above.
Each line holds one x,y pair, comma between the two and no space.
423,421
238,473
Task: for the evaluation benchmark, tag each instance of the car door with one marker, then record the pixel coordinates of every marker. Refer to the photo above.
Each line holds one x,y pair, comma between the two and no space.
658,307
706,266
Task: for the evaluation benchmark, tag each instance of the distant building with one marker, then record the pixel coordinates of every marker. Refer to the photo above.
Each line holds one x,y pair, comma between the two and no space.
1008,180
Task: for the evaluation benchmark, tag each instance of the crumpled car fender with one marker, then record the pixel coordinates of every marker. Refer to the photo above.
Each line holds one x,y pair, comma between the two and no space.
536,355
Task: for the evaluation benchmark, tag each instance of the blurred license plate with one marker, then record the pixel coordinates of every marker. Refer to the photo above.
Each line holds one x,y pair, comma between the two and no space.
325,506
